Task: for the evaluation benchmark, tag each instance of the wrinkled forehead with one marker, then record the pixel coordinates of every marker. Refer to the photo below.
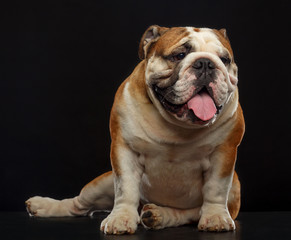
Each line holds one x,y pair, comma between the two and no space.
199,39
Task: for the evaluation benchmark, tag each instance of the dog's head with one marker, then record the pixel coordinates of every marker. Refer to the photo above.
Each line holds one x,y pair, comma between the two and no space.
190,72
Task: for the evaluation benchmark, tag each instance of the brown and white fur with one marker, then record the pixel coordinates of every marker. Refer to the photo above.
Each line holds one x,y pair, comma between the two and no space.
181,169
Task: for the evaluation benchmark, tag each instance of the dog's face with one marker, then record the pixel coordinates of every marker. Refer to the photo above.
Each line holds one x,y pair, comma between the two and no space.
190,73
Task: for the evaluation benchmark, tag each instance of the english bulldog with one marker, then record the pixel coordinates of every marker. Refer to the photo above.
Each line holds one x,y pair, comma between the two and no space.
175,125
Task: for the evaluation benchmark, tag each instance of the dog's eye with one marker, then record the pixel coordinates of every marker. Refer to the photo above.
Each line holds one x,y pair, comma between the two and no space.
225,60
178,57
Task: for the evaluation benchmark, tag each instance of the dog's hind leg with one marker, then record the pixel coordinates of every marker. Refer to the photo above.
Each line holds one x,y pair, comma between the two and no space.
155,217
96,195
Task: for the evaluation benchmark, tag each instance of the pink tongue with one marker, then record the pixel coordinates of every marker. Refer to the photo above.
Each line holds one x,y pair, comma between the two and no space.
203,106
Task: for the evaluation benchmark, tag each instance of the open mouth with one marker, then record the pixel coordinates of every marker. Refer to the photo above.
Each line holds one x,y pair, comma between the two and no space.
200,108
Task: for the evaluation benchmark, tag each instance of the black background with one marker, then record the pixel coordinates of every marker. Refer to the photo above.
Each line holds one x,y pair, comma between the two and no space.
62,61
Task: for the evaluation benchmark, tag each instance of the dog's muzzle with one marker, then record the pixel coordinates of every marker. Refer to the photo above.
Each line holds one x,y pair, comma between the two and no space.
199,105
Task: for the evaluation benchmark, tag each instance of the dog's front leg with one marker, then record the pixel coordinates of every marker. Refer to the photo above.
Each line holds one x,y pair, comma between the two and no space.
127,175
217,182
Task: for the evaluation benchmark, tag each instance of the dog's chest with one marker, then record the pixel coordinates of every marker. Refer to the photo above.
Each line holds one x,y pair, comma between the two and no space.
173,175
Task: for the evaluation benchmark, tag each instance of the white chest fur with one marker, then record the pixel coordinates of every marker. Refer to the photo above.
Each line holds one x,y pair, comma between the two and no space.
173,176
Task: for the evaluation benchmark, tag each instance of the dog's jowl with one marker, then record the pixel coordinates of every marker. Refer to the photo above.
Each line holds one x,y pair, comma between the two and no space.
175,126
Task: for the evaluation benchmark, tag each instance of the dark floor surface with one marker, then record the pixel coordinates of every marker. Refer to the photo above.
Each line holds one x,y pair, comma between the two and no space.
255,225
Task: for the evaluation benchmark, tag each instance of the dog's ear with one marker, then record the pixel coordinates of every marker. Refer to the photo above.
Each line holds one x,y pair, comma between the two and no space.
151,35
223,33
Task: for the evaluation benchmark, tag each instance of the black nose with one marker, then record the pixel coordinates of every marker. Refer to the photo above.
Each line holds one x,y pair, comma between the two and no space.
203,65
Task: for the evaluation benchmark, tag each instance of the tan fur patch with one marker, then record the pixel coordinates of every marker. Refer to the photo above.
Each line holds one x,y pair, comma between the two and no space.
115,130
234,200
137,86
170,38
229,147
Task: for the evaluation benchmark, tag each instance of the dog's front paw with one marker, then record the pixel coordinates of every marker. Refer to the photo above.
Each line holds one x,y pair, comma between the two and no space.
120,221
216,223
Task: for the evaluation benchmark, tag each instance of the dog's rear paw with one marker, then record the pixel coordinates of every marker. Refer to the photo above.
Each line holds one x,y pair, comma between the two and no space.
151,217
40,206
